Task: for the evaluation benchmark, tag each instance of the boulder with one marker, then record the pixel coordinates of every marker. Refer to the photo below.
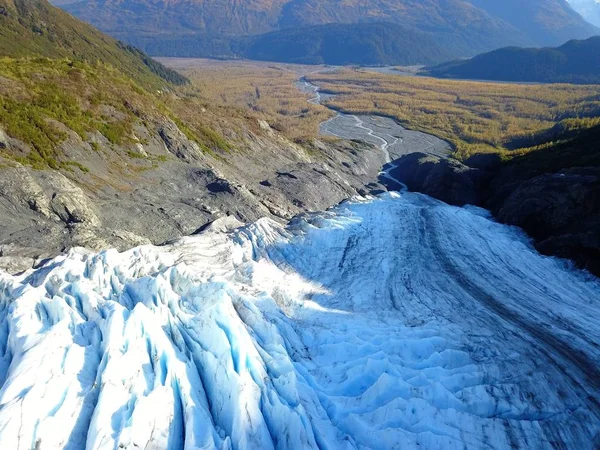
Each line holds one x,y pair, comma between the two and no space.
68,201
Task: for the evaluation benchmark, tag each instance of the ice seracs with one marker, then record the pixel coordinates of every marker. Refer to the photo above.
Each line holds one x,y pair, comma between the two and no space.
395,322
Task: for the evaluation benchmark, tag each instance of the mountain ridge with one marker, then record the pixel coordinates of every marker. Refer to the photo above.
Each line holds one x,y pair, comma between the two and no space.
365,44
466,25
546,22
573,62
589,9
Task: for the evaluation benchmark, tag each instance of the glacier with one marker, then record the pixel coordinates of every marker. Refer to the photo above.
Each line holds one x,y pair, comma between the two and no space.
395,322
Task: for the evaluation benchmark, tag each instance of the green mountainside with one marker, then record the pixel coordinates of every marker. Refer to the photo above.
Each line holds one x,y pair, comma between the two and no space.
60,76
35,28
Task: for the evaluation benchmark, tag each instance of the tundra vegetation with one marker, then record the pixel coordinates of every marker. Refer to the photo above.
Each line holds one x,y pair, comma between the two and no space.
264,91
42,100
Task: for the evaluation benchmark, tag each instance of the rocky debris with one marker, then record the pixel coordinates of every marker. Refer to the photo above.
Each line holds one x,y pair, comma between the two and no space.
445,179
126,239
222,224
310,186
373,189
177,143
18,187
16,264
17,259
69,202
121,202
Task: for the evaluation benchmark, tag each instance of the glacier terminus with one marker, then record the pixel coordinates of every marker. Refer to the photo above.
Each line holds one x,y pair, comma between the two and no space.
394,322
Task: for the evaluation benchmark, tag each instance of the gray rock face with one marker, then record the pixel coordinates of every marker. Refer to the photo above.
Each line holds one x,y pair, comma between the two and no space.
18,187
170,189
15,264
561,211
445,179
177,143
68,201
551,202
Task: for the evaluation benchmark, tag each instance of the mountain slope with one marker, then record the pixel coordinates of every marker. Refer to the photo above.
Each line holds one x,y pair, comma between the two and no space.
573,62
35,28
459,25
229,17
545,22
99,149
340,44
337,44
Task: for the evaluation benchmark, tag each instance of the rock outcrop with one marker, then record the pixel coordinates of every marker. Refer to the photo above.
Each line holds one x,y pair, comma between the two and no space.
3,139
445,179
561,211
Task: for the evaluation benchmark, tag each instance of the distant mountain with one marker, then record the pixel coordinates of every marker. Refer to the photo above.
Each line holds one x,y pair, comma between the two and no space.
337,44
461,26
589,9
574,62
545,22
35,28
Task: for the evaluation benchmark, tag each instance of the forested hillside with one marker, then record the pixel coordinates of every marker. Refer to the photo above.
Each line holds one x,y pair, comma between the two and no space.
574,62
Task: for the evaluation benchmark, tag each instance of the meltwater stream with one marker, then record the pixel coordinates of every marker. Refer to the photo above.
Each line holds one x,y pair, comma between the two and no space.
383,132
395,322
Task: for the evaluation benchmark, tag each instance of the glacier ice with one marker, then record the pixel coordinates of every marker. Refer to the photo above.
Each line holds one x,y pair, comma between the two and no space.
386,323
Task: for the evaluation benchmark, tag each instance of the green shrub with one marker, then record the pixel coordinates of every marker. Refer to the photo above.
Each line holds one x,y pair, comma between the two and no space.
117,133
